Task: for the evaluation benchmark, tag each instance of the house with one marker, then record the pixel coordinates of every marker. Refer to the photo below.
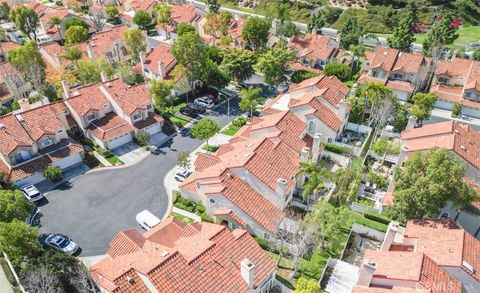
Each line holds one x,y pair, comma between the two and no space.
12,85
112,112
248,182
139,5
425,256
464,142
456,81
32,139
314,51
187,13
179,257
47,32
320,102
157,63
108,45
401,72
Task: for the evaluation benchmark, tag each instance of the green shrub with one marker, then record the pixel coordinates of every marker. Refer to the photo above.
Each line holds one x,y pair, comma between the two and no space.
376,217
8,272
264,244
52,173
240,121
200,208
206,218
301,75
142,137
378,179
103,152
457,109
336,149
185,204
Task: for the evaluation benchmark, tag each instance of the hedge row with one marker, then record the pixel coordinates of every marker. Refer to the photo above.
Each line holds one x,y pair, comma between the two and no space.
336,149
376,217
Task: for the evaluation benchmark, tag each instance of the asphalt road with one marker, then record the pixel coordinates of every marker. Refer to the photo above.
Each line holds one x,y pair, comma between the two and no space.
94,207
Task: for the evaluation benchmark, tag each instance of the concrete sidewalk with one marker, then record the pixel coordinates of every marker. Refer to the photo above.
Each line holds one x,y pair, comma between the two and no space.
187,214
5,286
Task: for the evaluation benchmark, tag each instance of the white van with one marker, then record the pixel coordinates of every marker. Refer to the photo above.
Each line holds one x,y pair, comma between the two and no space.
147,220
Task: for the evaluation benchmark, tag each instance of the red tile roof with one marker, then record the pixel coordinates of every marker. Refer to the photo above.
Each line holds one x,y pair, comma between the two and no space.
102,42
185,13
60,12
109,127
384,58
128,98
87,98
7,46
176,257
161,53
230,214
314,47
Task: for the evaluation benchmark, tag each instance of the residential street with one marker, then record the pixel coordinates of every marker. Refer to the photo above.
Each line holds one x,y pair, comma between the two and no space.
94,207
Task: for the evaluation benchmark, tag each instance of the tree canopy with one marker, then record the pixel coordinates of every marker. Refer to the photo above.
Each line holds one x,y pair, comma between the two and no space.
112,13
213,6
305,285
427,182
142,19
161,91
14,205
441,34
185,28
135,42
76,21
423,104
28,60
340,70
403,34
238,63
350,33
273,65
255,32
205,129
250,97
18,241
26,20
76,34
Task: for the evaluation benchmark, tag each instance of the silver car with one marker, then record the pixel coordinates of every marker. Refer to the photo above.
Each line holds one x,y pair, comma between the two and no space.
31,193
205,102
59,242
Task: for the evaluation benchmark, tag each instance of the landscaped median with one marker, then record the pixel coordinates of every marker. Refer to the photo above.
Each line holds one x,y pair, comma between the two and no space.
92,159
189,206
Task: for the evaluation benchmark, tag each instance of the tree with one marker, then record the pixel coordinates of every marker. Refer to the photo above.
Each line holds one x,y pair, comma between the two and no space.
345,182
340,70
316,22
288,29
281,11
313,176
4,10
238,63
380,100
441,34
425,184
26,20
403,34
350,33
29,62
14,205
56,21
88,71
183,160
41,280
214,75
98,18
142,19
73,54
255,32
384,146
76,34
216,25
76,22
250,97
330,14
164,17
185,28
401,119
273,65
305,285
423,104
456,110
52,173
142,137
126,73
135,42
161,91
213,6
18,241
112,14
205,129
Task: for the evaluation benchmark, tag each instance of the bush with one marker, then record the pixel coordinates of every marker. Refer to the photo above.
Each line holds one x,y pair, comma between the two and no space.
200,208
377,179
185,204
336,149
240,121
52,173
142,137
457,109
264,244
376,217
300,75
103,152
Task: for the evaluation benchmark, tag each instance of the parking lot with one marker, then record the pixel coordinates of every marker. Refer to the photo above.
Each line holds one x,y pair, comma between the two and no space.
92,208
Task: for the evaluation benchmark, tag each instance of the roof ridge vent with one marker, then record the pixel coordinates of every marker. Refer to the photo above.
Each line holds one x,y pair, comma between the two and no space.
463,147
2,126
19,117
468,267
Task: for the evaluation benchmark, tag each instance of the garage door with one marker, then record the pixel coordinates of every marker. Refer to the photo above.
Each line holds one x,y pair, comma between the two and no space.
68,161
124,139
471,112
34,179
152,129
444,105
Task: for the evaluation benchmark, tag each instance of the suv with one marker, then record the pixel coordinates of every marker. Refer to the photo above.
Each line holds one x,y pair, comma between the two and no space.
31,193
192,110
206,102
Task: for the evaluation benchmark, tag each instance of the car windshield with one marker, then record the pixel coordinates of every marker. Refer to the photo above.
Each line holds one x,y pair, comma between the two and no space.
60,241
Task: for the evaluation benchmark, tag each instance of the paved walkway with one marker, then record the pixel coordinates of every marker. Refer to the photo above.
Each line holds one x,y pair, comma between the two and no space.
187,214
4,284
102,160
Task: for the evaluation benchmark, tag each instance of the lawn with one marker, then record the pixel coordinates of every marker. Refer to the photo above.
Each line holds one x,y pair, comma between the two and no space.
114,160
182,218
178,121
211,148
231,130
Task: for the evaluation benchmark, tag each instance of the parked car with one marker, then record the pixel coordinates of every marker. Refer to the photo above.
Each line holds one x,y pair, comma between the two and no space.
31,193
147,220
205,102
182,175
59,242
192,110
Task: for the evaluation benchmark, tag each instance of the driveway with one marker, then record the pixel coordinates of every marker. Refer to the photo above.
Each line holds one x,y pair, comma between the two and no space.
94,207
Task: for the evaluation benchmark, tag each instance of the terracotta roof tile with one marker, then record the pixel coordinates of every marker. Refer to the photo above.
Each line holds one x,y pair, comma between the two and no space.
185,13
103,41
161,53
87,98
109,127
128,98
314,47
384,58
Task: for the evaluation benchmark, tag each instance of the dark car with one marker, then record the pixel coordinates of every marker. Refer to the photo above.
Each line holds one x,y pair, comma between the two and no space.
192,110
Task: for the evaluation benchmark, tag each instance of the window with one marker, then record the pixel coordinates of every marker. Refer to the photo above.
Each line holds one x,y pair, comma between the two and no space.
397,76
442,80
46,142
468,95
374,73
266,236
311,126
91,117
149,107
19,158
137,116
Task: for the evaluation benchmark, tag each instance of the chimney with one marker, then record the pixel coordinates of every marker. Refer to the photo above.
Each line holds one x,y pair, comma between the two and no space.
365,274
304,155
142,61
412,120
274,27
66,89
317,139
247,271
390,235
161,69
281,187
24,104
342,110
90,51
103,76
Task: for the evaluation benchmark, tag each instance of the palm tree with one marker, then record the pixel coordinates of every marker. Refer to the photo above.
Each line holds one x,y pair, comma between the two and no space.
316,174
56,22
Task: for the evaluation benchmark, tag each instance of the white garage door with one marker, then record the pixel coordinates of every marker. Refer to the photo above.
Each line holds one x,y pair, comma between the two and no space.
68,161
152,129
124,139
34,179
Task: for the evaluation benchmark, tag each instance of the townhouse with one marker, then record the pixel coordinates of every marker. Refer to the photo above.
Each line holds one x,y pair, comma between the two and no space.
456,81
47,32
112,112
320,102
176,257
464,142
188,13
109,45
401,72
157,63
32,139
314,51
425,256
12,85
